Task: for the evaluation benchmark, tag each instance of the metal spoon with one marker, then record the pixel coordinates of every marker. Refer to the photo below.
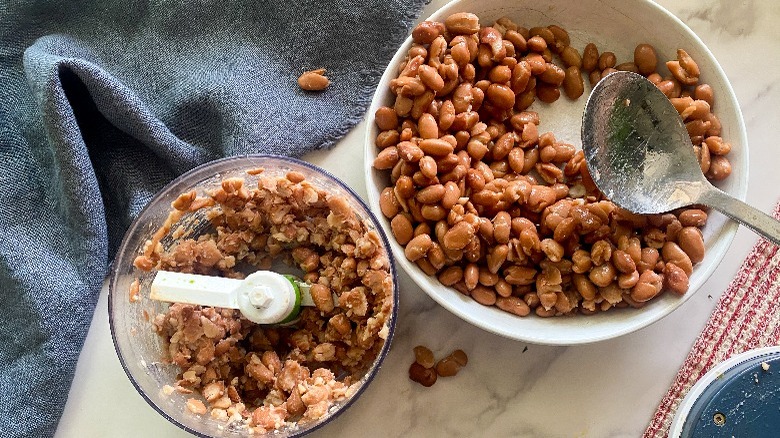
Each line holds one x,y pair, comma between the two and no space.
640,155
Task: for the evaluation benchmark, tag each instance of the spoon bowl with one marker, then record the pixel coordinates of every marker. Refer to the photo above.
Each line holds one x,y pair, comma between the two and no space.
640,156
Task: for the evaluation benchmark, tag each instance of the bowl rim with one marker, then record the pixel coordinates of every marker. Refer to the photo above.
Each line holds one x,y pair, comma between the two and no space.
723,236
204,170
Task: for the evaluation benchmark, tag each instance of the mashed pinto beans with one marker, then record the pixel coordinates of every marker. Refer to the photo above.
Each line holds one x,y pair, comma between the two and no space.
269,377
509,215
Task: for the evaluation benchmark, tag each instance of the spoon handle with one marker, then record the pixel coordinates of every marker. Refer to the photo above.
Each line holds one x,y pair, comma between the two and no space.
751,217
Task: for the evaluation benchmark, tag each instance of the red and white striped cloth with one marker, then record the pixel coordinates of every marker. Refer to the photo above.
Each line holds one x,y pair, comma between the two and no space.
747,316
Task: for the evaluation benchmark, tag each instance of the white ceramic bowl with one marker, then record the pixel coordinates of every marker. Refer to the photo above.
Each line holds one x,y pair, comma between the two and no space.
616,25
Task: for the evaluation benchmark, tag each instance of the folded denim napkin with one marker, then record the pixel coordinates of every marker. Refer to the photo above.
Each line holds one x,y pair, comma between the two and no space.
105,102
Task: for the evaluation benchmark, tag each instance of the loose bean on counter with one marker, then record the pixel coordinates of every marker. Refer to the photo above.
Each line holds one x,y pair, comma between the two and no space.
423,376
424,356
506,213
452,364
460,357
425,370
447,367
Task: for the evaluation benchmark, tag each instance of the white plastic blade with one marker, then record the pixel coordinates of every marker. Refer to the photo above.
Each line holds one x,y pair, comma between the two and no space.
204,290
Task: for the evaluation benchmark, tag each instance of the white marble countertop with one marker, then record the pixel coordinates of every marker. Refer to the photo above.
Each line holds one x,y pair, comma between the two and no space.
509,388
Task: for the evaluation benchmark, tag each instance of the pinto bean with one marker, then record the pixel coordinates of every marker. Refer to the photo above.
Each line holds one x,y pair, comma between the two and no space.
647,287
501,95
693,218
675,278
418,247
573,84
387,158
388,202
590,58
720,168
458,236
691,241
484,295
513,305
606,60
571,57
645,58
672,252
451,275
462,23
313,80
386,118
623,262
431,194
603,275
424,376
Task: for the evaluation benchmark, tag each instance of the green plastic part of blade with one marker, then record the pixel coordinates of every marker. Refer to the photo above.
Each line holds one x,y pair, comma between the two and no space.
297,307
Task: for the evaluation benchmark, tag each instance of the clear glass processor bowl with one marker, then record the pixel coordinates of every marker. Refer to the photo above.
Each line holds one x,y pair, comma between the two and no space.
141,350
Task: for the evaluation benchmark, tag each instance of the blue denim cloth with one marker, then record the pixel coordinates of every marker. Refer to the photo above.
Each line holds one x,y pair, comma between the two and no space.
102,103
